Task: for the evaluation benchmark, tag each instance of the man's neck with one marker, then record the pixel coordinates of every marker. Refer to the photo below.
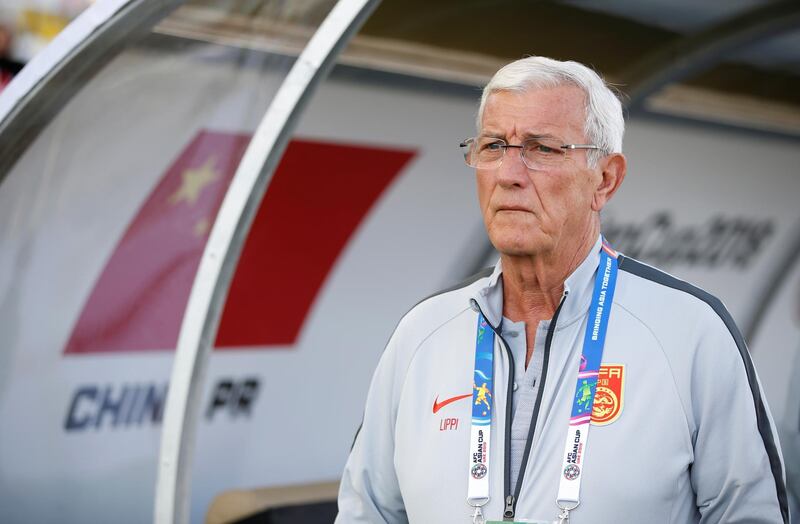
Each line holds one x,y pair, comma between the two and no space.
533,285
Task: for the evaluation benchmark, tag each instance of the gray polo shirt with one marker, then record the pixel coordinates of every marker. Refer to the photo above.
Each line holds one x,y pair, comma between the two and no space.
525,388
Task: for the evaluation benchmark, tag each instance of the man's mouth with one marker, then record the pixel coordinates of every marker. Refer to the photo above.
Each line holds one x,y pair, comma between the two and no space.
512,208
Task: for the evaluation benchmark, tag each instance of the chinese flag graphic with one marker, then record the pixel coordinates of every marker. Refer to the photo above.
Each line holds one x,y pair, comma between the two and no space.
318,196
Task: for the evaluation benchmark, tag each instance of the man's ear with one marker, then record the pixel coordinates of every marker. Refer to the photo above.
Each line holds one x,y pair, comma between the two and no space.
612,168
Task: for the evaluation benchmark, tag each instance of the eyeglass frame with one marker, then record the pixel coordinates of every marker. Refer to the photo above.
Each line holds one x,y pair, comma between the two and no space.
467,142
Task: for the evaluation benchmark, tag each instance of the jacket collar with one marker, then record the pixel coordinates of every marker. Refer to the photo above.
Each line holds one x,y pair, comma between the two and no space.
577,291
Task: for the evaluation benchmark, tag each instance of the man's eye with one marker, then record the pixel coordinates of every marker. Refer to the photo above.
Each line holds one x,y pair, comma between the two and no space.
493,146
543,149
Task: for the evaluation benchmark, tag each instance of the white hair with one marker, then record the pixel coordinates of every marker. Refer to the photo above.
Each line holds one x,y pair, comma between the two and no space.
605,125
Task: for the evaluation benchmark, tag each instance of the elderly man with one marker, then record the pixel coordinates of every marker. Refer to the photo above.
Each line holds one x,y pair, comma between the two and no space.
483,403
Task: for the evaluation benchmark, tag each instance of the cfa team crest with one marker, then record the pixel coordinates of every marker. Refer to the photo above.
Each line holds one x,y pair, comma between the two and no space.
608,399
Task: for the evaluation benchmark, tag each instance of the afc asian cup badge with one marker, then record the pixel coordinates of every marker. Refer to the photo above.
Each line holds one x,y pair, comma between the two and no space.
608,397
572,471
478,471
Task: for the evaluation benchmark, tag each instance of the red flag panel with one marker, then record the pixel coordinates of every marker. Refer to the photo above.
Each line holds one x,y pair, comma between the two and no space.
318,197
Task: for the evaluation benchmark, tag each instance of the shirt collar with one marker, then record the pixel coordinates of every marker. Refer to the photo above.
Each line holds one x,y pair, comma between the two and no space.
577,289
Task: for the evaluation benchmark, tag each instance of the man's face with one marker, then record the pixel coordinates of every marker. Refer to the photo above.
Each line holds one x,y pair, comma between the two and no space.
530,212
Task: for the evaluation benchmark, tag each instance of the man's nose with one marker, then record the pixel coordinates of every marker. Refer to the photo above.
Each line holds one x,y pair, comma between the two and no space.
512,171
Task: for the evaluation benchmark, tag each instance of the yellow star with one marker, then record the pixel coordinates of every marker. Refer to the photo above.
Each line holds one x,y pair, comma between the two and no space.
194,181
202,228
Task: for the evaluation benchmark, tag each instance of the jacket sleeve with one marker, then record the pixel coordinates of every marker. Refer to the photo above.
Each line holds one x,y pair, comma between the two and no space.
369,490
738,473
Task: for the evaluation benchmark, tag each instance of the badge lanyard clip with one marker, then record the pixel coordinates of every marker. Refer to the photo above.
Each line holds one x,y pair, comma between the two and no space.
477,516
563,515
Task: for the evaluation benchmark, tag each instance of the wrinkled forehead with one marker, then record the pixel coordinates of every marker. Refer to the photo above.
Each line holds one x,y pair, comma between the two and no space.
558,110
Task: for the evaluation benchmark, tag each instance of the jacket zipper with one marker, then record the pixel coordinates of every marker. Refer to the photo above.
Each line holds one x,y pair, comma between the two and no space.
511,499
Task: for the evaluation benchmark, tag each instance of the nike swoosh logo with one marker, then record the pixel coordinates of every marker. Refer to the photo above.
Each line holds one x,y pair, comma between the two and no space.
439,405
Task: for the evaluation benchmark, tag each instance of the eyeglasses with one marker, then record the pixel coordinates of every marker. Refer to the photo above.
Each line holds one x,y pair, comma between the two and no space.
537,154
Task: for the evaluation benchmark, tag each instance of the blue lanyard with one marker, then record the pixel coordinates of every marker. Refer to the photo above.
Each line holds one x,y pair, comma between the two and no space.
577,438
480,431
586,386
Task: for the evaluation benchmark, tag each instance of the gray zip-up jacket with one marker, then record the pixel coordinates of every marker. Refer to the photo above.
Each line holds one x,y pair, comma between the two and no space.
691,441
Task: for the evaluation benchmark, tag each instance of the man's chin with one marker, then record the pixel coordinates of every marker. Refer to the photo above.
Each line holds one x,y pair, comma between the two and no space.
517,247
